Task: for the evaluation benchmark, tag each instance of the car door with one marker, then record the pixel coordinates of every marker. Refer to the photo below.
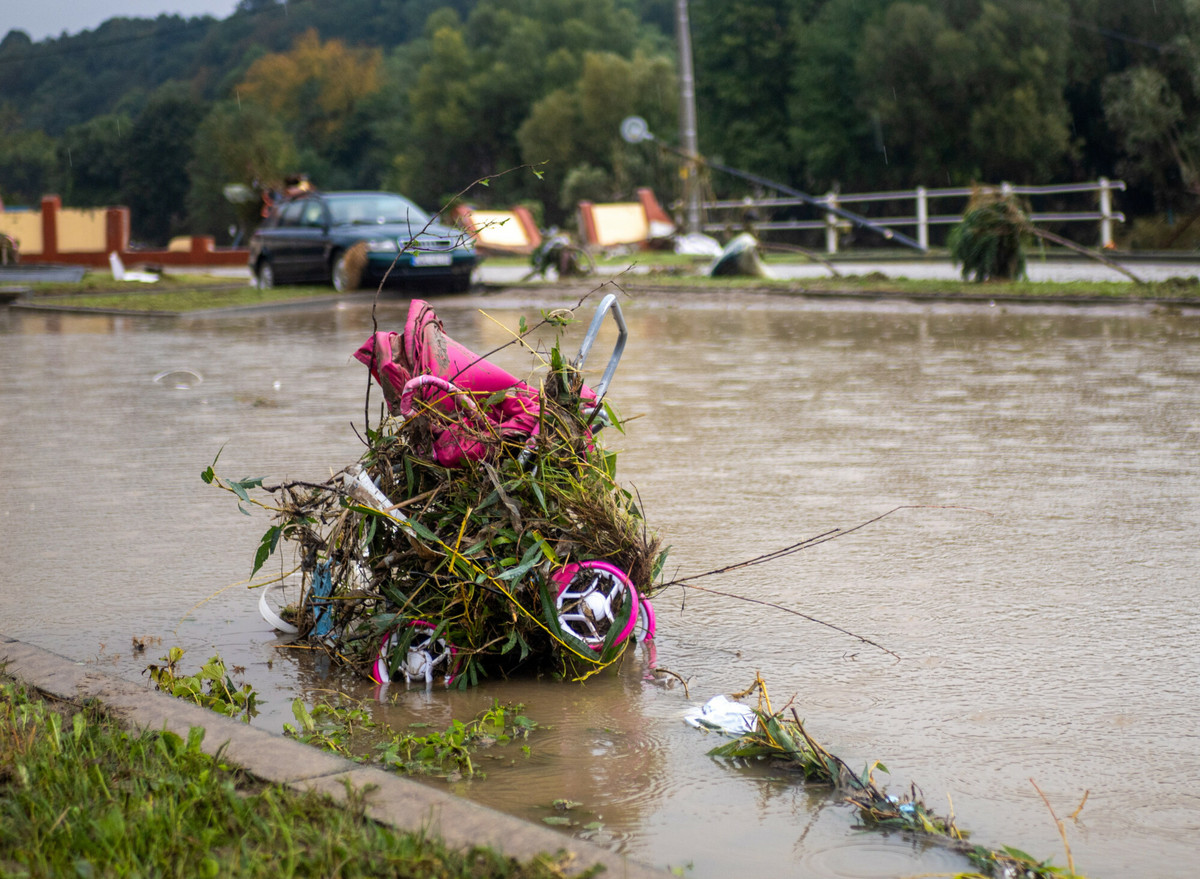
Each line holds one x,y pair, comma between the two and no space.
280,243
311,244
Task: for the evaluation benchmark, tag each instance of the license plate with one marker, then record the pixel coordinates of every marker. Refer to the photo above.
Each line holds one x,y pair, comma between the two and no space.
431,259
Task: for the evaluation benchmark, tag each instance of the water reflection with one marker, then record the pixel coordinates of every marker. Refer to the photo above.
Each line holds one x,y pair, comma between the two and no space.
1037,587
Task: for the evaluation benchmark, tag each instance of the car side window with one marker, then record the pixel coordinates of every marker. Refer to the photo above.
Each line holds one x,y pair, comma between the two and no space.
290,215
312,214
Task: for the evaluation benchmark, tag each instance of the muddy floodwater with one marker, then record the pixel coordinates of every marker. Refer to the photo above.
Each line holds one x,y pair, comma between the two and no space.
1039,582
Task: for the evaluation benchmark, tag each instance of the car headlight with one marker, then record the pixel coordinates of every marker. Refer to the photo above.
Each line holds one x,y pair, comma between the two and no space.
382,245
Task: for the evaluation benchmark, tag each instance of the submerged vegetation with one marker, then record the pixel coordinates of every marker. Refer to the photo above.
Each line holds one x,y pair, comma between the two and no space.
79,795
350,730
787,744
211,687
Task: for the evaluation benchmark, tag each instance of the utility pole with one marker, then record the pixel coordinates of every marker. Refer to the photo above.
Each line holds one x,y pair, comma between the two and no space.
687,119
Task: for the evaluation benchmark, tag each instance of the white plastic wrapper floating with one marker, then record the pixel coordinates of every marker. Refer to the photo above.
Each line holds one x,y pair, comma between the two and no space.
724,715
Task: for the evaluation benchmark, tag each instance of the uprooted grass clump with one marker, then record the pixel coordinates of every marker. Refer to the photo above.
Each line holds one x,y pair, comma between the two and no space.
398,550
787,744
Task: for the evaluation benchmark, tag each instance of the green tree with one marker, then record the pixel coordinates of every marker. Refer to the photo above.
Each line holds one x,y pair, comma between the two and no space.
156,181
236,143
835,144
744,57
577,128
28,169
981,102
91,160
481,78
1161,142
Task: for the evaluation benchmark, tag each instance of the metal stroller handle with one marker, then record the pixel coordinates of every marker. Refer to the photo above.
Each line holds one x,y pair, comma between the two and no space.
608,303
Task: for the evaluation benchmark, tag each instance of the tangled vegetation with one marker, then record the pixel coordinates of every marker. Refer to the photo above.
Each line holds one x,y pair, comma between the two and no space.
989,242
786,743
411,566
350,730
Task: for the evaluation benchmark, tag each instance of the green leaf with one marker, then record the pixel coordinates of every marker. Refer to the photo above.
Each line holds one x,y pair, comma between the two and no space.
613,419
266,546
532,556
210,471
541,497
1018,854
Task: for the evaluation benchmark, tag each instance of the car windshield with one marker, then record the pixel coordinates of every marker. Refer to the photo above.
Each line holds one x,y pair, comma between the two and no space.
373,209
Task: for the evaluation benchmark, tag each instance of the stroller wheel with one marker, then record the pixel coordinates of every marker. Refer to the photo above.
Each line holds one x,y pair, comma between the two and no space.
590,594
424,656
644,629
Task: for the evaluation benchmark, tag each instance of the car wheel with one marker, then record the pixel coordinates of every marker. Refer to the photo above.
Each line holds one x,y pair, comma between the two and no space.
265,277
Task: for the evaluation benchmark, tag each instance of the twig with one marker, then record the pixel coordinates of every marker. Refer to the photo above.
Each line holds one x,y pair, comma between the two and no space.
1062,831
808,542
1079,248
658,668
803,251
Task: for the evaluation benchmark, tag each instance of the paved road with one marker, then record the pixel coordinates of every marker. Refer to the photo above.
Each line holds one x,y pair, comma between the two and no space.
1047,270
1039,270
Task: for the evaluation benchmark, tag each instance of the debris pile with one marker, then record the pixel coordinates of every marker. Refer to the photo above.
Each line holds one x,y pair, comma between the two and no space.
483,528
763,734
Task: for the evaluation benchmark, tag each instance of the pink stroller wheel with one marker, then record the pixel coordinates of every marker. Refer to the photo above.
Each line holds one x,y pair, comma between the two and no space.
644,630
424,655
589,594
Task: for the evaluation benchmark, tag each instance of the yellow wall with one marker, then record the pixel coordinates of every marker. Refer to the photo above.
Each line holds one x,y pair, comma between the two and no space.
25,226
620,223
500,229
81,231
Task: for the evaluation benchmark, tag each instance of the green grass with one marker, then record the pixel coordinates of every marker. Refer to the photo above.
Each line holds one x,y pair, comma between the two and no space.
80,796
103,282
190,293
152,299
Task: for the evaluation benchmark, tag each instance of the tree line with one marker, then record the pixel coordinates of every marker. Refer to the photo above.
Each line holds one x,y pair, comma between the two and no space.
426,96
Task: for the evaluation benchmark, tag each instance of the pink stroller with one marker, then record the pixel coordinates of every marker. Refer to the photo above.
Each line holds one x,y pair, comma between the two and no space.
424,369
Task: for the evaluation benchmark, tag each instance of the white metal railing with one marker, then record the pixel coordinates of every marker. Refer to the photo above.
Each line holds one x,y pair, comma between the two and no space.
921,219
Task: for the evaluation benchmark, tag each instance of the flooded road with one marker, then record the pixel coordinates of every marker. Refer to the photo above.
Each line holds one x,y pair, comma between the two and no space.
1037,581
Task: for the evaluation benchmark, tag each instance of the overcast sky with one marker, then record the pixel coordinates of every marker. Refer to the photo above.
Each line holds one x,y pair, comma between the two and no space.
49,18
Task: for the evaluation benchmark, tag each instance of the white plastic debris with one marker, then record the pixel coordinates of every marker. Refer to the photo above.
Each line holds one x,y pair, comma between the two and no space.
724,715
697,244
120,273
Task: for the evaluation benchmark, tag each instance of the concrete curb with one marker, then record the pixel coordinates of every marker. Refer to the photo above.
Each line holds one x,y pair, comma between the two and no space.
400,802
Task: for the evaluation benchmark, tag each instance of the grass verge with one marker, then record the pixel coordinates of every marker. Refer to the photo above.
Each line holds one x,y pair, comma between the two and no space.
81,796
180,294
177,297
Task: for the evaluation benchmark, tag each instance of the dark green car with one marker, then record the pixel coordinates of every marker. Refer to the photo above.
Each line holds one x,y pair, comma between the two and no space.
357,239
